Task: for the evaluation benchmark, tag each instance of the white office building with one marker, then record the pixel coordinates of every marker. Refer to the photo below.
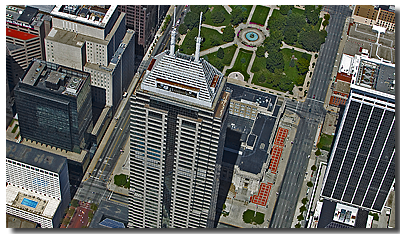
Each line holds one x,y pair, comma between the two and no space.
89,38
37,185
177,135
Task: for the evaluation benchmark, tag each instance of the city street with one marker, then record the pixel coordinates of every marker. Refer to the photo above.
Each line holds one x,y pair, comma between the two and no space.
93,189
311,113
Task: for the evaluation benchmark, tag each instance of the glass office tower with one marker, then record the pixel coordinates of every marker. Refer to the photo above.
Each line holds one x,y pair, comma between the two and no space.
177,135
54,106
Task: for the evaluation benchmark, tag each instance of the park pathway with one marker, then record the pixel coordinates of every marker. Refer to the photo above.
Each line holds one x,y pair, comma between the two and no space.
271,9
233,60
251,14
228,8
219,29
215,49
253,56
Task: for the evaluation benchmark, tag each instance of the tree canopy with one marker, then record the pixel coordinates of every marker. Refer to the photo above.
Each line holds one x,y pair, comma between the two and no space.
310,40
302,65
312,14
229,33
260,52
275,61
238,15
182,29
273,42
220,53
290,35
217,16
284,9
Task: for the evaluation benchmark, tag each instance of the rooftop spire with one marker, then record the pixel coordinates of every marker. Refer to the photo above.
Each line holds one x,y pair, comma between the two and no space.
198,41
173,35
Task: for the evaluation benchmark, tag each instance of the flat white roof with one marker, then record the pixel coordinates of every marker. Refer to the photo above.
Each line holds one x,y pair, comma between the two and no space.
339,216
13,198
101,23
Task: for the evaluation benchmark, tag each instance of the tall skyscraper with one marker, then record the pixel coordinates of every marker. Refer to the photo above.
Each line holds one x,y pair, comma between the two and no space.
37,185
177,132
361,168
54,106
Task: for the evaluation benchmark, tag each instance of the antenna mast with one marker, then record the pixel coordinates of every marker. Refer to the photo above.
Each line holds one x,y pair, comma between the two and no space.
198,41
173,35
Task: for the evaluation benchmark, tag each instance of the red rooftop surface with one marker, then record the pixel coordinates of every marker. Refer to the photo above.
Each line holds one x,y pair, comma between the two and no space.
18,34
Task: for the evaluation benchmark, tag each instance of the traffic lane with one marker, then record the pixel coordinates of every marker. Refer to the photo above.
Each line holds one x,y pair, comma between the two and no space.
290,188
80,218
114,152
287,188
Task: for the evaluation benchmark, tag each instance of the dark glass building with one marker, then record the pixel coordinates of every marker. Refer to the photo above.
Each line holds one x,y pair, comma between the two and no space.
361,169
54,106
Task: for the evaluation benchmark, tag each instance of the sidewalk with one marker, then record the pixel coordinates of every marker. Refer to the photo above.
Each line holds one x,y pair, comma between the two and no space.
282,166
219,29
121,167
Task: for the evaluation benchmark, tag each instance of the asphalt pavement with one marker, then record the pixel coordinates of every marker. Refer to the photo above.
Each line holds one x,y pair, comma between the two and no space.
311,113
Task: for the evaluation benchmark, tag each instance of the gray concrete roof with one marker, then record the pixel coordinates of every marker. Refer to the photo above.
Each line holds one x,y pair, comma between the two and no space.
35,157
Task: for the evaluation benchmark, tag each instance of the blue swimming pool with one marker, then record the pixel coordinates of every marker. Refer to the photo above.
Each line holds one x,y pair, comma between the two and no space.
28,202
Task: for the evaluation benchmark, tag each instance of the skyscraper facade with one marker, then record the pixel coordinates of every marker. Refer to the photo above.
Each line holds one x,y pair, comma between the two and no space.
361,168
54,106
177,135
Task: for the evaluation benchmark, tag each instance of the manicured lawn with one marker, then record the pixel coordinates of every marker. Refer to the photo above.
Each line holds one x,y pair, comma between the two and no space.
228,54
298,11
209,21
210,36
241,64
249,217
325,142
121,180
291,72
260,15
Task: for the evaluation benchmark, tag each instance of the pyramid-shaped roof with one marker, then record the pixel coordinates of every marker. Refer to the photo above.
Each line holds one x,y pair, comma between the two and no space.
181,77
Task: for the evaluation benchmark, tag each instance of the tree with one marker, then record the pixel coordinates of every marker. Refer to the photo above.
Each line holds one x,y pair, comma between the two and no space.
182,29
309,184
313,18
300,217
325,23
302,65
303,208
214,40
189,44
313,168
297,21
318,152
290,35
304,200
327,16
312,14
273,42
238,15
220,53
229,33
93,206
277,22
322,36
74,203
298,225
260,52
192,20
198,8
310,40
217,16
274,61
284,9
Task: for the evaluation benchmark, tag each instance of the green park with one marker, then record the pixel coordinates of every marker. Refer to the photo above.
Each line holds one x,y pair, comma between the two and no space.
271,47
